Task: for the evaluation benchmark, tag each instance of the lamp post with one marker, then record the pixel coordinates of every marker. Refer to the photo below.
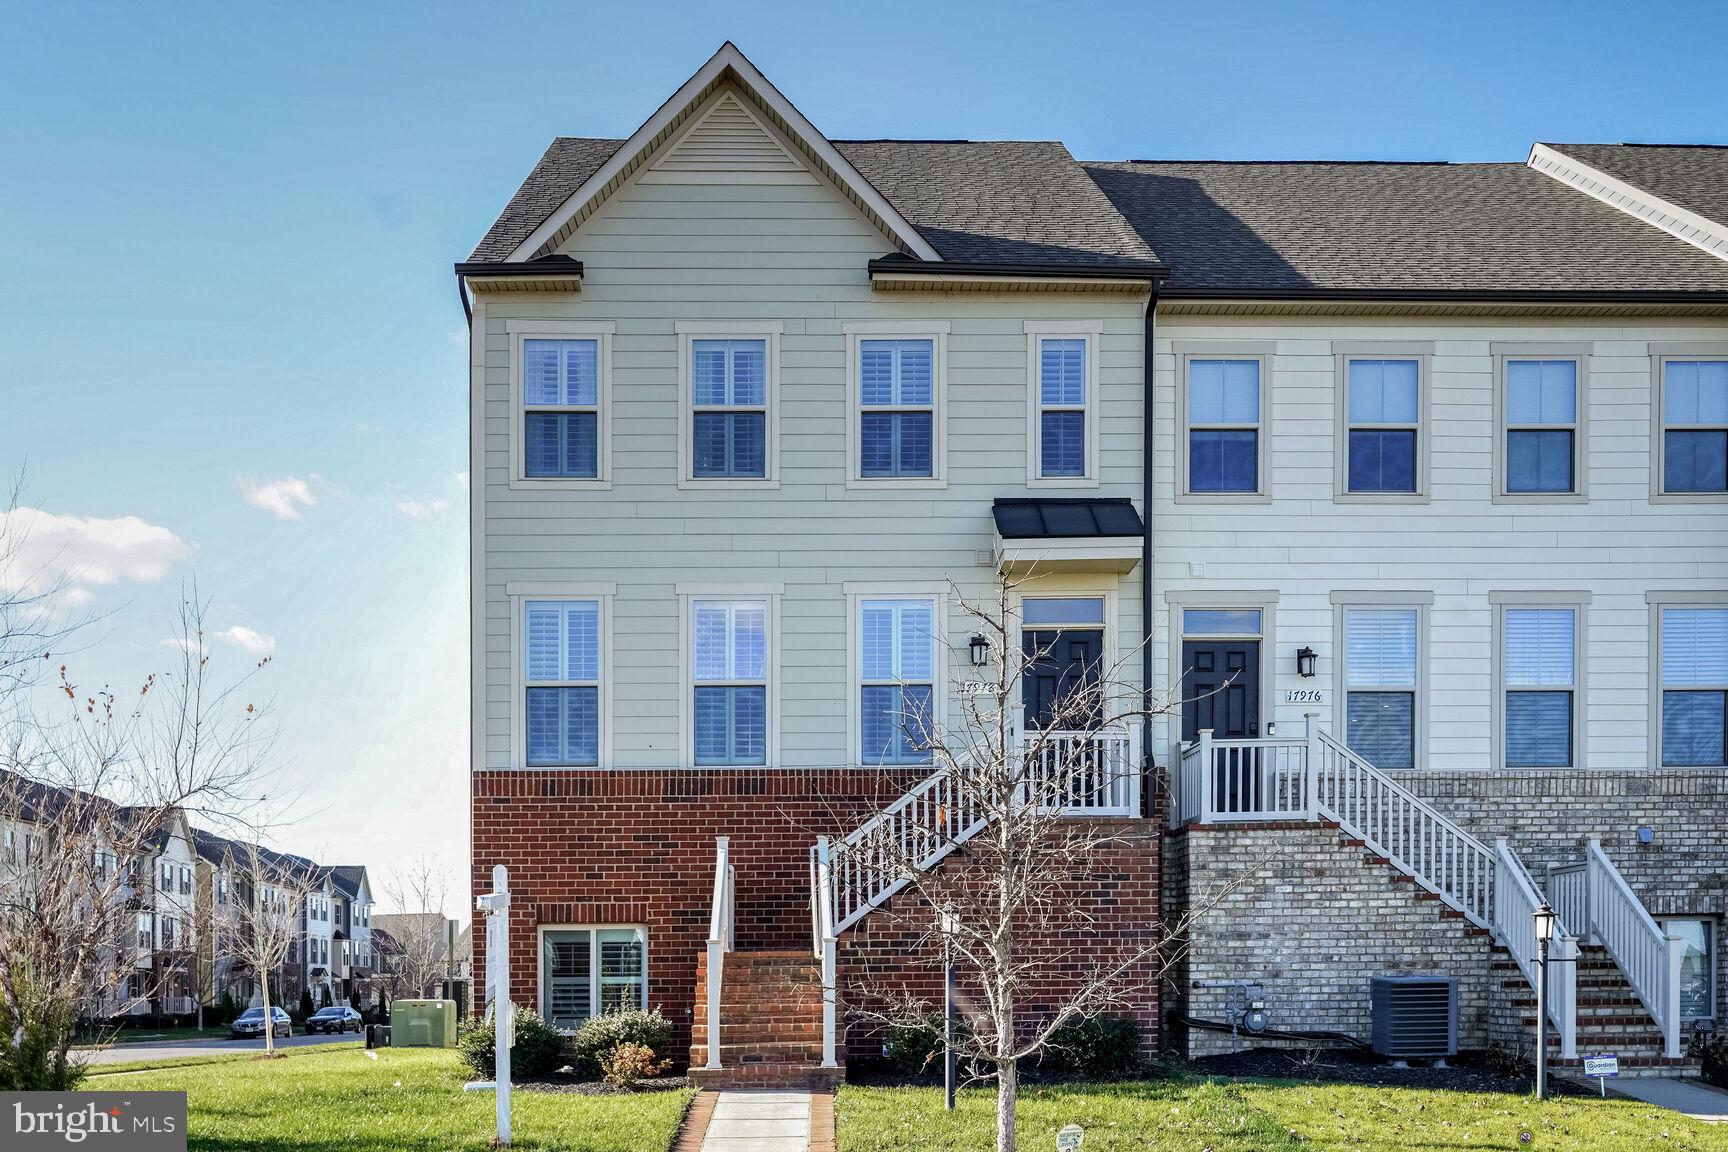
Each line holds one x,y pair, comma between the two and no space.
1543,918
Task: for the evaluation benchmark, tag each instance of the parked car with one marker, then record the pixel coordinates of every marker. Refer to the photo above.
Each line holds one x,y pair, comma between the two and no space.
251,1023
333,1019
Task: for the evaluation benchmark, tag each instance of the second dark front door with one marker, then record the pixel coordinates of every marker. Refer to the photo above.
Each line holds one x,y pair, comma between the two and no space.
1221,689
1060,660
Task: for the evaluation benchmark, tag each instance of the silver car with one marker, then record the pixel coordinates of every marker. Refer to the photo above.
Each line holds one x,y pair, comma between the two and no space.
251,1023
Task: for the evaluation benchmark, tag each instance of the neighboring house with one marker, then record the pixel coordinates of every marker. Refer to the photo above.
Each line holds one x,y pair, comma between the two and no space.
164,981
1407,479
332,956
425,942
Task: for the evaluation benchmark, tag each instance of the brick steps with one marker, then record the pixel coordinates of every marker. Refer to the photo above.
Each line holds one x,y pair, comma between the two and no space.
770,1024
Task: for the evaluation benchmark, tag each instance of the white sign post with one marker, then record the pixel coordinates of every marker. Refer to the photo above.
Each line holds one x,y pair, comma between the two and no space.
1602,1067
496,905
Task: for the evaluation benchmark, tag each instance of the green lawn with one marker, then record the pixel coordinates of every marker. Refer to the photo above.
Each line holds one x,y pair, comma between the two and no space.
406,1100
1270,1116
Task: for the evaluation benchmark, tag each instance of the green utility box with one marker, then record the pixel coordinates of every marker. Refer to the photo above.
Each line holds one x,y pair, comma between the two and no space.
423,1024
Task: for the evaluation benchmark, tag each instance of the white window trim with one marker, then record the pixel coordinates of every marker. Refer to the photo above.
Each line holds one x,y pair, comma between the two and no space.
1342,353
687,593
1580,603
593,963
857,593
1660,354
520,331
1658,601
1091,331
520,594
1420,603
1190,350
937,333
1579,354
1176,601
769,332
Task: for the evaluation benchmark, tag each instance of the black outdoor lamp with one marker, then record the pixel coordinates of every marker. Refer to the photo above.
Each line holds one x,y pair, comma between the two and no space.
1543,919
980,650
1305,657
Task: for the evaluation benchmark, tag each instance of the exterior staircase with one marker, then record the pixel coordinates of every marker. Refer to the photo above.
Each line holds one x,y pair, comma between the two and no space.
1611,1018
770,1024
1618,995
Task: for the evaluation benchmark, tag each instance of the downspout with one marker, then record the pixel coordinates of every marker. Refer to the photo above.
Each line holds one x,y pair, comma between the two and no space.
1148,371
462,294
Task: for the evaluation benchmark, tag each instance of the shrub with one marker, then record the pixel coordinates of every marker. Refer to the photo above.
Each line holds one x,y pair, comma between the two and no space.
226,1011
1100,1047
538,1051
598,1037
1712,1052
34,1041
913,1049
628,1063
306,1008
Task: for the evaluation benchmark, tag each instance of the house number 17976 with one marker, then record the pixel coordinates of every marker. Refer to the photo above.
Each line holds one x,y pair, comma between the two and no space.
1305,696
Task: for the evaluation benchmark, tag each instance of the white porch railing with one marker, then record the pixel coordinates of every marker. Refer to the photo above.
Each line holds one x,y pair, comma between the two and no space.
1649,957
1318,778
1515,903
1078,773
720,930
1567,887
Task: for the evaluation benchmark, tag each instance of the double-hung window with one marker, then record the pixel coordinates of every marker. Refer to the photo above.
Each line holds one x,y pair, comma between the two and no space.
1382,411
729,671
1540,658
588,972
1694,444
1694,685
729,409
896,680
1380,684
562,681
561,409
1222,409
1062,391
896,409
1541,422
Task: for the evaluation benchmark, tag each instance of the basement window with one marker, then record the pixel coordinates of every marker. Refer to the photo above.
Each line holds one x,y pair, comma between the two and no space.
588,972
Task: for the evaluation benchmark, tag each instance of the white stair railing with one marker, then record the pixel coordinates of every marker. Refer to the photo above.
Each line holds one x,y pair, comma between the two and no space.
1645,952
720,929
1515,903
1395,823
1567,887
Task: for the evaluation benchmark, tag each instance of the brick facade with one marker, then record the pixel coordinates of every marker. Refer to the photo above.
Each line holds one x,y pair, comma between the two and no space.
593,847
1308,915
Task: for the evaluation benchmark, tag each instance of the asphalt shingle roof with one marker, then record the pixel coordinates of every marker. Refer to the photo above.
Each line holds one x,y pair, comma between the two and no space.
1454,227
1694,176
997,202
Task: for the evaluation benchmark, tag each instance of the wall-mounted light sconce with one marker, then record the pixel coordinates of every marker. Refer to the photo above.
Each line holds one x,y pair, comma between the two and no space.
980,648
1305,657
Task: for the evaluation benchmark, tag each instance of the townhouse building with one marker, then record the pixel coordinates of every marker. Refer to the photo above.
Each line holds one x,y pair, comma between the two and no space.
1401,486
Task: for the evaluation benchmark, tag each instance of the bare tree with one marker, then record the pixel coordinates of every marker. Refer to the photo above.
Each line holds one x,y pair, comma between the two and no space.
258,925
88,798
995,864
419,956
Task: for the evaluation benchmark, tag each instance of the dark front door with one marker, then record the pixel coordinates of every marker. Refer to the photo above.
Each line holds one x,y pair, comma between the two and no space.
1060,660
1221,689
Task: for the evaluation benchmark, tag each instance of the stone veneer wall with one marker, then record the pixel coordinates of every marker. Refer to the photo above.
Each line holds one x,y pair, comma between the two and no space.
1308,916
1547,815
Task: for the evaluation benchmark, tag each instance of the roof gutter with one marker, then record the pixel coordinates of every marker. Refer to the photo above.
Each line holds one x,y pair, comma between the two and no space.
1130,270
1453,295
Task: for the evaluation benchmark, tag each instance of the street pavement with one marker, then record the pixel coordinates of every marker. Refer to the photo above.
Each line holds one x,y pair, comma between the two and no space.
126,1053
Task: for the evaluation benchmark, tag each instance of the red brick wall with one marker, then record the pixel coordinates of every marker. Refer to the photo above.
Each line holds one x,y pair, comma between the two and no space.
587,846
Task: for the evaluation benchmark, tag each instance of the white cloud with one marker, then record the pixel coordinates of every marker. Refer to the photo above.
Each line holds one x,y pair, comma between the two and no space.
186,645
422,509
282,498
43,551
244,638
462,480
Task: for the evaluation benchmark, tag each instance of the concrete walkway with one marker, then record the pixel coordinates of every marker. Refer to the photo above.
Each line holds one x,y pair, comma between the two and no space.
759,1122
1699,1101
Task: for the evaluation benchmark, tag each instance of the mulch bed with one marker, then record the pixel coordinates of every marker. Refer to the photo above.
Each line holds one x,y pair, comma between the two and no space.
571,1084
1465,1073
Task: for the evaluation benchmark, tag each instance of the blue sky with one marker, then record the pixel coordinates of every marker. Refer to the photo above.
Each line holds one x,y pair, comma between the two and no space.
228,312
